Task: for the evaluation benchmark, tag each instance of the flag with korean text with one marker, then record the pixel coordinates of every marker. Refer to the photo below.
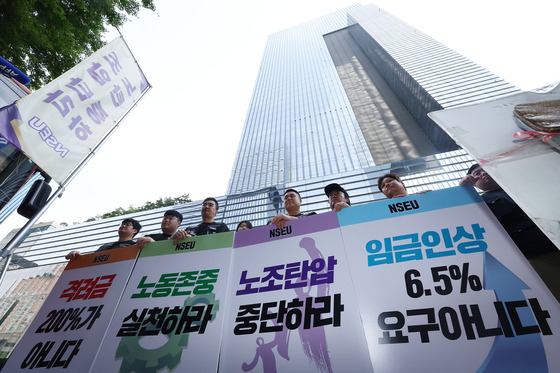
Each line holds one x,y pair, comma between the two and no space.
58,125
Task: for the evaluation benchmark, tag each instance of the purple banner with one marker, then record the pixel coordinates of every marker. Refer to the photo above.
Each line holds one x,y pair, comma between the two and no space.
305,225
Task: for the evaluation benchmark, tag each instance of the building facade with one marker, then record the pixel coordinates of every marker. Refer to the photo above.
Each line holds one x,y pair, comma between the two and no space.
348,91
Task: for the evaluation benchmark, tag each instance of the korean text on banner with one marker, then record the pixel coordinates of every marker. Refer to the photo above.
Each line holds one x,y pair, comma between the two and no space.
68,329
440,284
171,313
291,304
59,125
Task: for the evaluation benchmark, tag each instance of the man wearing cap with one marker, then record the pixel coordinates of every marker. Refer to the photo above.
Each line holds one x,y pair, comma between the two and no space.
338,198
127,230
292,204
169,225
208,211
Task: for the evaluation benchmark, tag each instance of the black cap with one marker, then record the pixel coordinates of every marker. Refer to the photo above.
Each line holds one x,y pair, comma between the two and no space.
334,186
472,168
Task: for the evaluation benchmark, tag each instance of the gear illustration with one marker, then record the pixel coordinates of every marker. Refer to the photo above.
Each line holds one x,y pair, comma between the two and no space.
136,358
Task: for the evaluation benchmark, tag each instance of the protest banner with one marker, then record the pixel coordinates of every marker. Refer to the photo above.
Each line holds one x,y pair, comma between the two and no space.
440,284
291,305
58,125
68,329
427,282
171,313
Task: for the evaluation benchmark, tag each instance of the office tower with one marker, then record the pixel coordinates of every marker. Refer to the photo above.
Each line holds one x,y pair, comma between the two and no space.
348,91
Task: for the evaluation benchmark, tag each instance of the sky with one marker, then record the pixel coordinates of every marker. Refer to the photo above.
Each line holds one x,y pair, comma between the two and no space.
202,60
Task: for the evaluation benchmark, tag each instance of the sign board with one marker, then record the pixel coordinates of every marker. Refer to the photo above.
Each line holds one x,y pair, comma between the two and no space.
418,283
440,284
170,317
69,327
291,303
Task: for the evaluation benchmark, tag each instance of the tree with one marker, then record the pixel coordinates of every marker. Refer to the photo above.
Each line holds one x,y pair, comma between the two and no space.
45,38
160,202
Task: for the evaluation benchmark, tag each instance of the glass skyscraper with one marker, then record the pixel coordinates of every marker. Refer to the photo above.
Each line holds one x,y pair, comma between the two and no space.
300,124
348,91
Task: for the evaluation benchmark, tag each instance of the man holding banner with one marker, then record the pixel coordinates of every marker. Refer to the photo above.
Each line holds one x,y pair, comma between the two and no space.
169,225
208,226
391,186
127,230
338,197
526,235
292,204
533,243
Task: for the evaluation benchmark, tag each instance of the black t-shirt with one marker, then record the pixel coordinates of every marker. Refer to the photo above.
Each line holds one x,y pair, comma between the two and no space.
159,236
300,215
510,215
115,245
522,230
209,228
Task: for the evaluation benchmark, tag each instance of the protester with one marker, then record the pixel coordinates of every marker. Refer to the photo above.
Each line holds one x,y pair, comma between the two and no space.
208,226
244,225
169,224
391,186
292,205
528,237
127,230
543,255
338,197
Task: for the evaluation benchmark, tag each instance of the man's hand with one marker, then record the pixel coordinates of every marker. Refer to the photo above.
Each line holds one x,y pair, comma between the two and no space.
281,219
180,236
423,191
340,205
468,180
143,241
73,255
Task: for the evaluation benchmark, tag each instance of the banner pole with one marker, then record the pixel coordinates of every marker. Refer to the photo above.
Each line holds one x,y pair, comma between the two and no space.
62,187
5,268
